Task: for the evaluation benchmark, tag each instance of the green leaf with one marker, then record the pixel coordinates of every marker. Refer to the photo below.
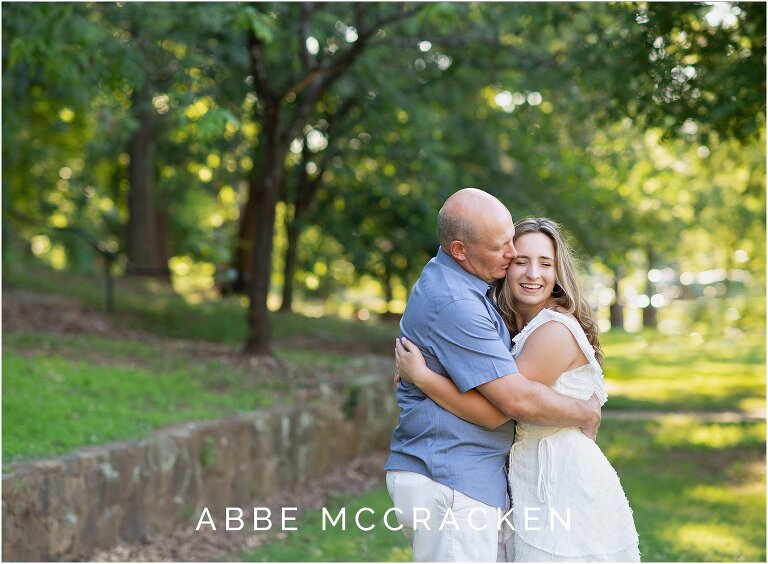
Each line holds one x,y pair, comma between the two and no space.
260,24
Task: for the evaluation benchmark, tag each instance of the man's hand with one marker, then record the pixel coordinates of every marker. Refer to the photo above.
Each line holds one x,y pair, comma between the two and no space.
593,407
397,378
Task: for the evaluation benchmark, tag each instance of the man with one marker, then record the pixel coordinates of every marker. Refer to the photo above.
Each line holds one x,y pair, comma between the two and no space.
447,476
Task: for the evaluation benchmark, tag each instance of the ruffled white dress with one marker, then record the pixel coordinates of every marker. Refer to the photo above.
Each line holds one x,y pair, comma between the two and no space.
568,502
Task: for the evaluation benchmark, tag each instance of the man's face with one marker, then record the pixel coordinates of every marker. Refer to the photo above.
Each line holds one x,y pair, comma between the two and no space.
492,251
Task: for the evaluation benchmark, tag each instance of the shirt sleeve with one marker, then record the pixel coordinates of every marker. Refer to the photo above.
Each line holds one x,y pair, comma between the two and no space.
468,345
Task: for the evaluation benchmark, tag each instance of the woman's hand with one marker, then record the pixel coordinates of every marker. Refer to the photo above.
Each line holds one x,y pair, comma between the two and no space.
411,365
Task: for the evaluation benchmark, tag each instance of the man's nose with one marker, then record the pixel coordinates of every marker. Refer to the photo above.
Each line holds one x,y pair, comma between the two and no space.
511,252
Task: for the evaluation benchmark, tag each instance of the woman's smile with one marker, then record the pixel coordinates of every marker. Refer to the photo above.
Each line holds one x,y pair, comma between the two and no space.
531,288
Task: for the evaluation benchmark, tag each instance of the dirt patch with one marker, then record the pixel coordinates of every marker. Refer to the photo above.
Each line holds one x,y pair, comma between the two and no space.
30,312
187,545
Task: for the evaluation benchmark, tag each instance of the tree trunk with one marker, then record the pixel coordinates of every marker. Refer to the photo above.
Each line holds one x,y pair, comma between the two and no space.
306,189
387,281
650,320
260,212
293,232
255,236
147,254
617,307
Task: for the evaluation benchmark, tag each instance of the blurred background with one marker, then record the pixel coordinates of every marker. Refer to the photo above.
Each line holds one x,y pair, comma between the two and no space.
266,178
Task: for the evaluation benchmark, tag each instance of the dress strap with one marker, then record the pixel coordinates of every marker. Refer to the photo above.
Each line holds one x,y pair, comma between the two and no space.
546,315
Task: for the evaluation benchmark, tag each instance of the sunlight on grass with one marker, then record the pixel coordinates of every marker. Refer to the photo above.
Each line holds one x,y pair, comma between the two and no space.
653,371
685,431
154,307
715,483
711,540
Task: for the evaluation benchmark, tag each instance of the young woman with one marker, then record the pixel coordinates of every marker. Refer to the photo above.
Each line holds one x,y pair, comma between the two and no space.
568,502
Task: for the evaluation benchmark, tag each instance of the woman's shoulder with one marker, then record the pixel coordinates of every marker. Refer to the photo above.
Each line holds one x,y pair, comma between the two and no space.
560,310
558,324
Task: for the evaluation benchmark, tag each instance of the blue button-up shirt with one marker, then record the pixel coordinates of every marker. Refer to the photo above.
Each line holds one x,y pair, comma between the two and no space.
452,317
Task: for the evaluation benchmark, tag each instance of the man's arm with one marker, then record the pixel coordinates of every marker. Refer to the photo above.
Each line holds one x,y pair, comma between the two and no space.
549,351
523,402
519,398
470,349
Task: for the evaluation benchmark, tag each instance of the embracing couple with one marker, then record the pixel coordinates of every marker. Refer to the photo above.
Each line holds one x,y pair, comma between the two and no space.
494,457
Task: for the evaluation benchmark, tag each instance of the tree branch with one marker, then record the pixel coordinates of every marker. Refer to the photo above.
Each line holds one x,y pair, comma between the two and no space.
334,67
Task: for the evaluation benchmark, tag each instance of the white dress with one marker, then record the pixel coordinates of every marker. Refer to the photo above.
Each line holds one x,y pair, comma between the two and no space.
568,502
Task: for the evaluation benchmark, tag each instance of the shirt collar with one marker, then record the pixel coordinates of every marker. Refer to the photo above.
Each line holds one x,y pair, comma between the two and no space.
446,260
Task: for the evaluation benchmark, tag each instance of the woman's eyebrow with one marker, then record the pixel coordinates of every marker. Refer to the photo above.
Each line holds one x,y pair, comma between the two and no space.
540,258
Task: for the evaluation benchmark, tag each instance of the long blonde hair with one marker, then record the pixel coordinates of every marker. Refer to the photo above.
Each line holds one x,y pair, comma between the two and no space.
566,293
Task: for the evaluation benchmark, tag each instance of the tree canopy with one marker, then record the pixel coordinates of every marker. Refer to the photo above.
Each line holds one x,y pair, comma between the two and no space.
310,145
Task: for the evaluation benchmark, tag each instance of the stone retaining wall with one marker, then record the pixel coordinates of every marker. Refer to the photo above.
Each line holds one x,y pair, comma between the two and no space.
65,508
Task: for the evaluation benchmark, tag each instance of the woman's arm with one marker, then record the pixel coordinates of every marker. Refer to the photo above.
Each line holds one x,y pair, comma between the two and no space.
550,350
470,406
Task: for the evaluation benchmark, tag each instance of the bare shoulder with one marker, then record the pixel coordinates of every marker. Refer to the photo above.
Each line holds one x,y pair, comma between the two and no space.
565,312
550,350
552,336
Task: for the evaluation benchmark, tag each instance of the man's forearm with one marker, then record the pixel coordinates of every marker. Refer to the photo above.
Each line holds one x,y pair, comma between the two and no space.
539,404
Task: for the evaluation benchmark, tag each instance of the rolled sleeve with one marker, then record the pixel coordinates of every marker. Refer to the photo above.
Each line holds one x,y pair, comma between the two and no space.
468,345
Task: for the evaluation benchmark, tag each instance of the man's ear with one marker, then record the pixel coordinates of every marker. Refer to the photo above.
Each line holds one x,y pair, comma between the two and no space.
457,250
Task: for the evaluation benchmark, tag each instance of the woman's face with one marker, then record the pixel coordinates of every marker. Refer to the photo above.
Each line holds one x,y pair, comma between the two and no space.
531,276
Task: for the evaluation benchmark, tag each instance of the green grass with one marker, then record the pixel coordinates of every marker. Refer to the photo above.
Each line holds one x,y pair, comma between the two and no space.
56,401
65,391
697,490
655,372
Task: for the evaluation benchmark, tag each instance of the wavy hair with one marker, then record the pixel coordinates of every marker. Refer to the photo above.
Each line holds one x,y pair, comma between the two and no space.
566,293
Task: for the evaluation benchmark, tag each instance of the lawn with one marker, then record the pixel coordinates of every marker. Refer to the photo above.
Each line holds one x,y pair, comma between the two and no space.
64,395
697,487
65,391
62,391
650,371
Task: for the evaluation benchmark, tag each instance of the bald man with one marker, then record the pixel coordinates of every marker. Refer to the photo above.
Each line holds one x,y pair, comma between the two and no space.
446,476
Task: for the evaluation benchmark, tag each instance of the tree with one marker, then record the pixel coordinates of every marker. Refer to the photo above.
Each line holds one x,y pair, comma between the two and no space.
288,90
56,60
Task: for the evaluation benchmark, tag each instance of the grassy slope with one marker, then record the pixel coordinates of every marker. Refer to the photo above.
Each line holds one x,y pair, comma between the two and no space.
64,391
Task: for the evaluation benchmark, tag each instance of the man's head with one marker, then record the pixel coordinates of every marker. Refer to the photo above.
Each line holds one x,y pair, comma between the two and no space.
476,229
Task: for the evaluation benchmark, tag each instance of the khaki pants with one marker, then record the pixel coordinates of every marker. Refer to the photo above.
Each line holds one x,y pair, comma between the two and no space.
444,525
